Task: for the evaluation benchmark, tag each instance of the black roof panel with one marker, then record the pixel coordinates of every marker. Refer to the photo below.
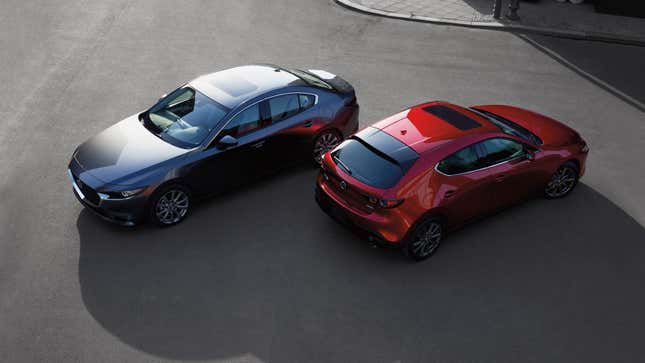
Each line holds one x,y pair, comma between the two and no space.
453,117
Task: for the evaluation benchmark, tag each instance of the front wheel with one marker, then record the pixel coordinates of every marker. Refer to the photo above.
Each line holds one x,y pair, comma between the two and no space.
170,205
424,240
324,142
562,181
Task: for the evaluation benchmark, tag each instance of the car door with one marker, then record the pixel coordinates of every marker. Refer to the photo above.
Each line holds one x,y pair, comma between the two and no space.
291,119
226,167
512,172
462,185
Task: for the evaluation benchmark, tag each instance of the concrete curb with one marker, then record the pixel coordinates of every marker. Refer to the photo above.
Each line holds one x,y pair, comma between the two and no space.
603,37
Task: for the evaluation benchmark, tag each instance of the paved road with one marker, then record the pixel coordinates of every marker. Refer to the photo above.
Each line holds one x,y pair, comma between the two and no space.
261,275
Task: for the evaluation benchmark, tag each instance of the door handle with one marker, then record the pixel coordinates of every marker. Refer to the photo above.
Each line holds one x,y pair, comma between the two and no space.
258,144
499,178
308,124
449,193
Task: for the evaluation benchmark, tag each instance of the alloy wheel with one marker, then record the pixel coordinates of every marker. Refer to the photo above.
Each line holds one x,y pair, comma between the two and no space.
172,206
561,183
427,241
325,142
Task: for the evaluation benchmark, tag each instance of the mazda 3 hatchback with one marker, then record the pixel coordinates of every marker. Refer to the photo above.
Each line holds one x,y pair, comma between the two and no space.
209,135
408,179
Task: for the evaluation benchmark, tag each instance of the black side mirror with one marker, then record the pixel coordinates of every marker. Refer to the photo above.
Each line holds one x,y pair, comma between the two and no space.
226,142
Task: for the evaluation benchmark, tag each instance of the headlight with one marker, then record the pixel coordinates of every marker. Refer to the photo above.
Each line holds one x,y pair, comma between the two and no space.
122,194
129,193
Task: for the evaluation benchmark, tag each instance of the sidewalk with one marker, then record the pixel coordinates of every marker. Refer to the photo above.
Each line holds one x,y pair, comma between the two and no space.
544,16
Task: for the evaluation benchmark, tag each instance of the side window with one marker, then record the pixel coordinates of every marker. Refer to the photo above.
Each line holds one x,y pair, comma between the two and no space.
306,101
244,123
462,161
283,107
499,149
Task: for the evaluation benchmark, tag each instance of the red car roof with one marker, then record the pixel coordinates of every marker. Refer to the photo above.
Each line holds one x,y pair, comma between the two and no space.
428,125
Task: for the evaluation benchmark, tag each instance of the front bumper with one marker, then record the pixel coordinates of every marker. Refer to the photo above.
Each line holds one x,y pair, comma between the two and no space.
126,212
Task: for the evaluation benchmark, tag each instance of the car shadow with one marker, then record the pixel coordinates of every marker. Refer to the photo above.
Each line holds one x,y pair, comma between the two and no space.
264,273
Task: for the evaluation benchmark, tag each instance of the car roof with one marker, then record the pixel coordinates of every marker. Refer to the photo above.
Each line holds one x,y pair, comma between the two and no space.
426,126
234,86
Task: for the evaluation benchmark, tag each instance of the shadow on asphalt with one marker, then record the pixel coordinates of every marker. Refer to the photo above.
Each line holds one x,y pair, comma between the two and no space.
617,65
264,273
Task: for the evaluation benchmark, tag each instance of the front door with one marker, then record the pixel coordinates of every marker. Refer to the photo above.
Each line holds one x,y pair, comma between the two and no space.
513,176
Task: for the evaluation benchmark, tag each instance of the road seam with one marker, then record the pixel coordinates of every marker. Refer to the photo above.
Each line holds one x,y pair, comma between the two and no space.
606,86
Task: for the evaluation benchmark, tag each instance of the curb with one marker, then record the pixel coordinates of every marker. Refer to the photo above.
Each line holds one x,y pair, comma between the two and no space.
573,34
590,77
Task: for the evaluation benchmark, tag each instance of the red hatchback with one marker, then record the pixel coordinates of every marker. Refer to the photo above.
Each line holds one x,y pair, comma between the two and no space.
408,179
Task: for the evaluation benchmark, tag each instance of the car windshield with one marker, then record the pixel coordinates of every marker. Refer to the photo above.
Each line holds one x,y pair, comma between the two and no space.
310,79
509,127
184,118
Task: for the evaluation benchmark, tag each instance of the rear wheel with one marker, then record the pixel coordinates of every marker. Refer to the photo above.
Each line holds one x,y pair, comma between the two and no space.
170,205
562,182
324,142
424,240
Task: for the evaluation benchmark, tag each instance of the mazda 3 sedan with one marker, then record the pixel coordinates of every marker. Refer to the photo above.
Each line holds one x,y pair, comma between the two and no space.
410,178
209,135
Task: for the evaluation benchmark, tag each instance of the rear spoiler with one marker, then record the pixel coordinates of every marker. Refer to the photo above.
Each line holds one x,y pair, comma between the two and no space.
387,146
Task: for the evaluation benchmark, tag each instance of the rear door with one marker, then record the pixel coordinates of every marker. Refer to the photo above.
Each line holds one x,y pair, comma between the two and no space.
463,185
291,117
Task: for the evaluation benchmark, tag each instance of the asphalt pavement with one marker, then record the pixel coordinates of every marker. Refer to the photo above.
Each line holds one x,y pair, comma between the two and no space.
261,274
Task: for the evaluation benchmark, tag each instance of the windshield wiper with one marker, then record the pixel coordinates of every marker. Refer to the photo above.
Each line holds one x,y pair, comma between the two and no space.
342,165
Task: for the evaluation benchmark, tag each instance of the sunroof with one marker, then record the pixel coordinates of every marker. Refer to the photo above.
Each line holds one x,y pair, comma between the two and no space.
232,84
455,118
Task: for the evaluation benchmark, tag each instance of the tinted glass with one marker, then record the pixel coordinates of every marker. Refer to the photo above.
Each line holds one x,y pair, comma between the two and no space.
453,117
283,107
462,161
498,150
306,101
244,123
184,117
510,127
366,165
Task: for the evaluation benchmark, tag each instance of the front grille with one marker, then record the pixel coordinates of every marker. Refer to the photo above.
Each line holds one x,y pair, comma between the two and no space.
89,193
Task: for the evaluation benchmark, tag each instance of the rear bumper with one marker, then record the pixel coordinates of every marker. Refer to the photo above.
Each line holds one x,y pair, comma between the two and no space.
378,228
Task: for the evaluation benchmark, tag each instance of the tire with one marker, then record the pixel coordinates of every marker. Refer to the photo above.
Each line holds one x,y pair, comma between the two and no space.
563,181
424,239
175,199
325,141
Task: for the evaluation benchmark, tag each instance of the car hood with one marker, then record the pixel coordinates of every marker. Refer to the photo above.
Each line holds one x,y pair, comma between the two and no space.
123,151
552,132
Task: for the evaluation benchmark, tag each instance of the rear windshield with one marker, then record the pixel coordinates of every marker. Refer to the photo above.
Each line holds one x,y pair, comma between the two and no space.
375,157
366,165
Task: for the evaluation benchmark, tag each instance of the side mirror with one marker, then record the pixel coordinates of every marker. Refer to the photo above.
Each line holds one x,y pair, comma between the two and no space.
529,154
226,142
